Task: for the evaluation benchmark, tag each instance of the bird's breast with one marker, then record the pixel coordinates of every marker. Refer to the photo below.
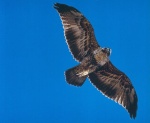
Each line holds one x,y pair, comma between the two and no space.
101,58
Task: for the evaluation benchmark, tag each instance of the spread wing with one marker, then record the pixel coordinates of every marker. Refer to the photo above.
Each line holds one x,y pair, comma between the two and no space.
78,31
115,85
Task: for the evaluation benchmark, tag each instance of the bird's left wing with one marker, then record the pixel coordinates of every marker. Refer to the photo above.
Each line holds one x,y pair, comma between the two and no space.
78,31
115,85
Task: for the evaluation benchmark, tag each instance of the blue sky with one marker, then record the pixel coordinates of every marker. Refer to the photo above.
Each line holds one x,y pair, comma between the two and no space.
34,56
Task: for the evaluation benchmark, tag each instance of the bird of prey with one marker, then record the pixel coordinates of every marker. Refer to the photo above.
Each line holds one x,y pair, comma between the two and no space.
94,62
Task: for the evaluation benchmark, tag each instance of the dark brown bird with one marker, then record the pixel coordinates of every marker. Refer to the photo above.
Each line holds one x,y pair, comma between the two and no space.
94,60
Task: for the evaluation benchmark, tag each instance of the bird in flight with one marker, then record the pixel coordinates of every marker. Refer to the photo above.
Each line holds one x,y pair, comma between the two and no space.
94,60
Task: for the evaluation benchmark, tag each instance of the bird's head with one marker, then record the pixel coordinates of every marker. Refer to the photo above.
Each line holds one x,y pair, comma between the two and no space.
107,51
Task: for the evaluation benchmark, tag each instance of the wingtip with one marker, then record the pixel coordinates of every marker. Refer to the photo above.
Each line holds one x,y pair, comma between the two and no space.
56,5
132,115
59,6
134,107
63,7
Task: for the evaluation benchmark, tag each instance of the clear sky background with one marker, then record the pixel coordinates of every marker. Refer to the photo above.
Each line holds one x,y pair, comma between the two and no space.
34,56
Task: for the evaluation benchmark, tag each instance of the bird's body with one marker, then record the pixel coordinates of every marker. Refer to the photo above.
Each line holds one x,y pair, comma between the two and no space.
94,60
89,64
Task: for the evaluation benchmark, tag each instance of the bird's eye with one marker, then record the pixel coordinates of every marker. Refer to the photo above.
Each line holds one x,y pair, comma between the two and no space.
104,50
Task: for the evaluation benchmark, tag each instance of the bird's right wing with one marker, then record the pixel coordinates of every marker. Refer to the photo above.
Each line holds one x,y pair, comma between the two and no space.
78,31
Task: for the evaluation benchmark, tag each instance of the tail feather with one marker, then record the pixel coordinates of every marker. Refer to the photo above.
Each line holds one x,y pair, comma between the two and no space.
73,77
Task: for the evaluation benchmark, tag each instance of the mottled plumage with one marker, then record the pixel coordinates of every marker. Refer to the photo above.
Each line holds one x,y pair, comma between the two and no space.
94,60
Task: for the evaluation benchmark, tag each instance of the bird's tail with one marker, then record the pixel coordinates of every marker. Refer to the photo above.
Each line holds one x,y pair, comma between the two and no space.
76,75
